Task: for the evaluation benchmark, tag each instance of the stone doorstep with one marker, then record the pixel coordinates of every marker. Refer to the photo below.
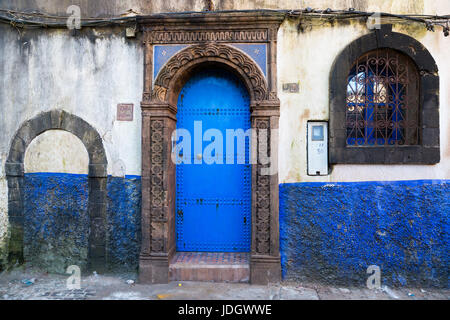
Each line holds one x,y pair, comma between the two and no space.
216,267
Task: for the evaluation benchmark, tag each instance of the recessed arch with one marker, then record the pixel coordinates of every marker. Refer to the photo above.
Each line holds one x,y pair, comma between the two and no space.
14,169
428,151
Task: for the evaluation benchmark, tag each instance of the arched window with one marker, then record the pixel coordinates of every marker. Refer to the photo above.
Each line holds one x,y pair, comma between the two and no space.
382,100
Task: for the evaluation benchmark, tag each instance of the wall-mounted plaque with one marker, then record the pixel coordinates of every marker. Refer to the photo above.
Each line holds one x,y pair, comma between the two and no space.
125,112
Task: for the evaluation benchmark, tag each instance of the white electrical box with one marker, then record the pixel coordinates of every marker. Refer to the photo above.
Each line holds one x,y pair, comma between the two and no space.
317,155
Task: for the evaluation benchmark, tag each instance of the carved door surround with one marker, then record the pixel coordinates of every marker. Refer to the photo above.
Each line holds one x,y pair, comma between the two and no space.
209,40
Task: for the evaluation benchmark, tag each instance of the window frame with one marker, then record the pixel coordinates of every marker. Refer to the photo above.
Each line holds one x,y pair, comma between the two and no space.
428,149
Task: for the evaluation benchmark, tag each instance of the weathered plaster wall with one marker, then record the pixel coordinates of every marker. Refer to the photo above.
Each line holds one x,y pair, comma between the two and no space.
56,228
3,220
98,8
56,151
332,232
124,222
56,207
306,58
87,74
59,70
333,227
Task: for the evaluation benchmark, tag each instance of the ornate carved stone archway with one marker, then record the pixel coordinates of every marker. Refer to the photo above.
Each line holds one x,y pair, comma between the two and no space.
215,40
167,84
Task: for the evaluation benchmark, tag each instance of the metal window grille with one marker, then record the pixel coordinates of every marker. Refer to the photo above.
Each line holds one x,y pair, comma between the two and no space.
383,100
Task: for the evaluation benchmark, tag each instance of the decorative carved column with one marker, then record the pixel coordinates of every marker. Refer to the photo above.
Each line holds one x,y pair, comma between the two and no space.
265,264
158,188
265,255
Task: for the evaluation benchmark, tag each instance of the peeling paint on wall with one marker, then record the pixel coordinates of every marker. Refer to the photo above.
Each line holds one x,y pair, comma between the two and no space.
124,223
57,222
89,72
102,8
85,74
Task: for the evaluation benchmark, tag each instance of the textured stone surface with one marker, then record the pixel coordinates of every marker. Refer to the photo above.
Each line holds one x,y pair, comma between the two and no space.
124,222
57,221
333,232
210,266
119,287
56,227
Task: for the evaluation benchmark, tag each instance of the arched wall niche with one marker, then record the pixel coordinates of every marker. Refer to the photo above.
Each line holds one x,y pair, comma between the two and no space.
14,169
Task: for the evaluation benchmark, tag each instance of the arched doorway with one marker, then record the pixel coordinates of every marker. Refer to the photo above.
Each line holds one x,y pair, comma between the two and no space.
160,115
213,182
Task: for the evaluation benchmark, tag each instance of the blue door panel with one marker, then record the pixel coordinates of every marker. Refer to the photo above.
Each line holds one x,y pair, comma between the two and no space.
225,218
199,180
214,200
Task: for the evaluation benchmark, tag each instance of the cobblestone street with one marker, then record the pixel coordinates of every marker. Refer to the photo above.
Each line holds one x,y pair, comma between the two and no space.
32,285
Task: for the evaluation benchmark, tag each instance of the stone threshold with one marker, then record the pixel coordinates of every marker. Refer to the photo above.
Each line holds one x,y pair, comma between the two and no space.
210,266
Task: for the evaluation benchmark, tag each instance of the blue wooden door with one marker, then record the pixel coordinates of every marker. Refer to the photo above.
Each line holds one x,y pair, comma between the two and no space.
213,204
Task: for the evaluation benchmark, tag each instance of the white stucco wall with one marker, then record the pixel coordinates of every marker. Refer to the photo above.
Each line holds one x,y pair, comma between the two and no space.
307,58
117,7
84,75
56,151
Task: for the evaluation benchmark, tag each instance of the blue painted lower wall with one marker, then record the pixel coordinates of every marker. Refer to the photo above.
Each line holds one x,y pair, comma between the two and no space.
124,222
328,232
332,232
56,220
56,230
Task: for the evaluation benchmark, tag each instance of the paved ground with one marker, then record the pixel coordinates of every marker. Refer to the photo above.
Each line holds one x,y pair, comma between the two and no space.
32,285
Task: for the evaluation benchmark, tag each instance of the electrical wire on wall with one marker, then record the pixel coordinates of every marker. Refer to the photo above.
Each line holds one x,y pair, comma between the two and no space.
41,20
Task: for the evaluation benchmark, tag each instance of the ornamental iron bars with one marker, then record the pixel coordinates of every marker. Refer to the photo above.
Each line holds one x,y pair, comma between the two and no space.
383,100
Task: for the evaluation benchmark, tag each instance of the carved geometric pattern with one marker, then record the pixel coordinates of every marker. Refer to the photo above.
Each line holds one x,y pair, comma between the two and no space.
232,55
157,194
184,36
146,96
262,236
157,245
